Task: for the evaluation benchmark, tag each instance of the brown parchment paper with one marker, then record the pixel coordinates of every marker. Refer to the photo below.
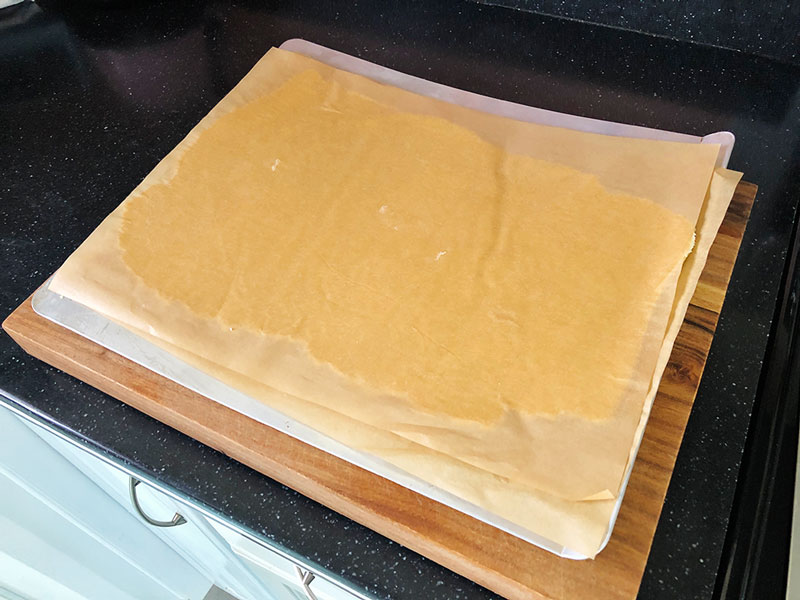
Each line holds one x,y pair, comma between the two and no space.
557,476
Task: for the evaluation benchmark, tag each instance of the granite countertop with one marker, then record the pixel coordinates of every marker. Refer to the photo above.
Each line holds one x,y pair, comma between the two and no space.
93,95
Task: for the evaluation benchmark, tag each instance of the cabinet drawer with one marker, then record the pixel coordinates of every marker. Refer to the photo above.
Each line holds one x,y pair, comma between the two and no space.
195,540
269,562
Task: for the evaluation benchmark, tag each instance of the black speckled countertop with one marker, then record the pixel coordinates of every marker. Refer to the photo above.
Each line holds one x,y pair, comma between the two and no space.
92,96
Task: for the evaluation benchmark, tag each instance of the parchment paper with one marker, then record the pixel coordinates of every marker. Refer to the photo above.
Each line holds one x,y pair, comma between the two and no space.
567,496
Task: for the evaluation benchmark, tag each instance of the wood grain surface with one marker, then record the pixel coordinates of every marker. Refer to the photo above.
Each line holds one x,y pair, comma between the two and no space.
497,560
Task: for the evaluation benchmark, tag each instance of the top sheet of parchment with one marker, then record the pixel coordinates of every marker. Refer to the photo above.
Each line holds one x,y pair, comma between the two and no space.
482,302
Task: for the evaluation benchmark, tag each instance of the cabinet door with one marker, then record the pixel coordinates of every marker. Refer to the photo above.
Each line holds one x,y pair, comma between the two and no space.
63,537
194,540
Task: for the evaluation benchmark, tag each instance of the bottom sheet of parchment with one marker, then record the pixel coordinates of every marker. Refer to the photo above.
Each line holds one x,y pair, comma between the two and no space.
555,474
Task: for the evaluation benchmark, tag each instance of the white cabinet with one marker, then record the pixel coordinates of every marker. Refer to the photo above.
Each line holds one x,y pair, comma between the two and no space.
62,537
225,556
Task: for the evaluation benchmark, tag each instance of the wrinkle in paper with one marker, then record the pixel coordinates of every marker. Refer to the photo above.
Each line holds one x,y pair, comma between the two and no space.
514,462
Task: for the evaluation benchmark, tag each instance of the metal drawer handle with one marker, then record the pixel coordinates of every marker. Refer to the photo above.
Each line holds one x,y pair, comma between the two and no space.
176,520
306,577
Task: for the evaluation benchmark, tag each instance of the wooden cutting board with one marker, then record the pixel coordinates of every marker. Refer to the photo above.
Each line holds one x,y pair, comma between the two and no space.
497,560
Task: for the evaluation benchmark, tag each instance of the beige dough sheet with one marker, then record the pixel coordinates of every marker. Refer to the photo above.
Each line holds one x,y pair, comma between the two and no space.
484,303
